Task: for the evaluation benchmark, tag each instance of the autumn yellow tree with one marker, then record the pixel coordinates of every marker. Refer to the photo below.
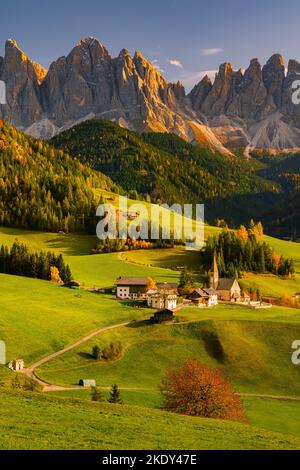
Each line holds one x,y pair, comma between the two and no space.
243,233
54,275
151,283
276,261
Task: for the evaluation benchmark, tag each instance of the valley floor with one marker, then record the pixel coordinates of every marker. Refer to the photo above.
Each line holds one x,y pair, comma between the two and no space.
253,349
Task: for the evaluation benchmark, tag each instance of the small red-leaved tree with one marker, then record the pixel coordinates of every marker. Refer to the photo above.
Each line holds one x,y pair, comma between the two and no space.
198,390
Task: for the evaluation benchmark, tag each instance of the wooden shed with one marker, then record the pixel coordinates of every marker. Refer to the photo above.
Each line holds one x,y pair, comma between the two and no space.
87,383
162,316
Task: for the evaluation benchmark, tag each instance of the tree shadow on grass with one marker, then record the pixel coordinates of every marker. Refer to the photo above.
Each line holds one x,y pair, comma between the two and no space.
213,346
85,355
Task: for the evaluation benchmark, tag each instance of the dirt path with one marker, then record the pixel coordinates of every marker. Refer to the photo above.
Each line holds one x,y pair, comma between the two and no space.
273,397
30,371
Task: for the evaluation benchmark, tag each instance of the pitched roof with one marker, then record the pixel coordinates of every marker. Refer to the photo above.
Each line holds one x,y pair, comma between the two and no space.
210,291
225,283
200,292
164,311
132,281
167,285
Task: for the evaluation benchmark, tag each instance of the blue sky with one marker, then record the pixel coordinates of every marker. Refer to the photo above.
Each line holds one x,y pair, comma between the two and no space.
184,38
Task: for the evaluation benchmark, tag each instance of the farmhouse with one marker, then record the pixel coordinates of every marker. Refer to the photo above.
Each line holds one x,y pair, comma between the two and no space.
163,296
205,297
132,287
161,300
227,288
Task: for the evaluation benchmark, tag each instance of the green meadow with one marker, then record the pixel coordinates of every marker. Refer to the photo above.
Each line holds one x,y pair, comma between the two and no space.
98,271
271,414
251,347
38,317
66,423
253,350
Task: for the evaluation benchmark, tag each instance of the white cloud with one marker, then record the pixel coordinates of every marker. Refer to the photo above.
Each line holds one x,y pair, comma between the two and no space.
212,51
176,63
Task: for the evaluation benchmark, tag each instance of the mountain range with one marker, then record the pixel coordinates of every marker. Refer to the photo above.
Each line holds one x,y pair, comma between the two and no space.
248,110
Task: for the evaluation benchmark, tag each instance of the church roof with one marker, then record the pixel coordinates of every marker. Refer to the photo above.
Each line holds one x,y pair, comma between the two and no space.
226,283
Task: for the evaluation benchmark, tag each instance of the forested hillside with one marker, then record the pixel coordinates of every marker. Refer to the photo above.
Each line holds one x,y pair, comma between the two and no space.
165,168
44,188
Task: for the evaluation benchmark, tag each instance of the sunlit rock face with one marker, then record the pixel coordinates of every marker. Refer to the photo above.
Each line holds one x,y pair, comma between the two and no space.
240,109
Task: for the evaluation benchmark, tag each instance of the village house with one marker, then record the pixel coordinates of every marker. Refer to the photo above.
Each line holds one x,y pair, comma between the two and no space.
163,296
228,289
132,287
16,365
246,297
205,297
159,300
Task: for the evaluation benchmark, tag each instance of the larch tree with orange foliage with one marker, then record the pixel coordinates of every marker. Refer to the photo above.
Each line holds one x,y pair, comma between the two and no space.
198,390
151,283
54,275
276,259
243,233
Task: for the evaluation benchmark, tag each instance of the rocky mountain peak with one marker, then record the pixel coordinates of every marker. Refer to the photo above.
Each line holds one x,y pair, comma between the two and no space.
124,53
276,60
225,70
254,70
13,52
273,76
293,67
238,109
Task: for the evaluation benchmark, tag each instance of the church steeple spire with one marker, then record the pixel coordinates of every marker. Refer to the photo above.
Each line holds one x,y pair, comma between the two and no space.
214,274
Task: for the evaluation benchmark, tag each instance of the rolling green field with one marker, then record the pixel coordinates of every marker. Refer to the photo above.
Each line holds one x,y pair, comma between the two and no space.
38,317
252,348
274,415
102,270
64,423
91,270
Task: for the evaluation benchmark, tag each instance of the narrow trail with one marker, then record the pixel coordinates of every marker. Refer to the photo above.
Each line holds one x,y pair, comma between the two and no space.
30,371
273,397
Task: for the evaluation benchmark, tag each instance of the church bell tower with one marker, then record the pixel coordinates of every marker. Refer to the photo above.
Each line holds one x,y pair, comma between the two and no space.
214,274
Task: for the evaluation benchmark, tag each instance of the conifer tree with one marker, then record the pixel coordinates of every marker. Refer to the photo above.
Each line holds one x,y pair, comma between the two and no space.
115,395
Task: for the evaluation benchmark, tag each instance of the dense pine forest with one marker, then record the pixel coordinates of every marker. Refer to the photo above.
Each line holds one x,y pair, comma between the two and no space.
165,168
20,261
50,186
44,188
244,250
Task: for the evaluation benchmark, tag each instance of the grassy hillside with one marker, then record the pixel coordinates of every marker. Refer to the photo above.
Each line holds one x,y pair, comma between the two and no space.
38,317
92,270
57,423
271,414
252,348
102,270
274,415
